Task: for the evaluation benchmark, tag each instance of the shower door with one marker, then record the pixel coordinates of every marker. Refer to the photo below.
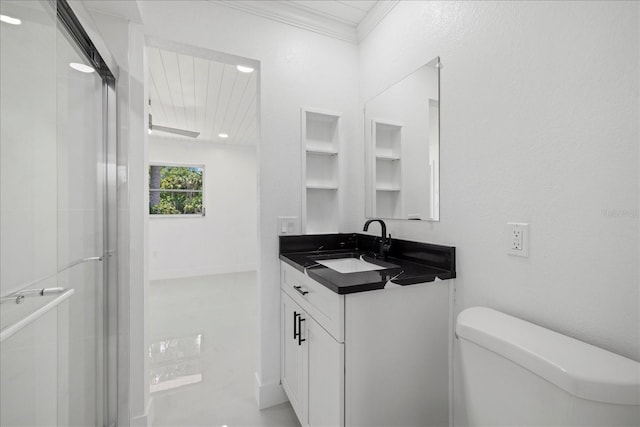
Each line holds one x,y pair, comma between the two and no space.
54,223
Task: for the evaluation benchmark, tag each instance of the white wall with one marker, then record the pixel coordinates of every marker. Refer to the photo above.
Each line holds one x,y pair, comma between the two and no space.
539,124
225,239
297,68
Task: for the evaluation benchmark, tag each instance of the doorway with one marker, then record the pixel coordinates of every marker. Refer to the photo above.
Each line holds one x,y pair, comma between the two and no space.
203,216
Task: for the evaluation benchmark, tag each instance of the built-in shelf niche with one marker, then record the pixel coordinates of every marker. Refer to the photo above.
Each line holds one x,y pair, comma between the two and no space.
320,142
387,137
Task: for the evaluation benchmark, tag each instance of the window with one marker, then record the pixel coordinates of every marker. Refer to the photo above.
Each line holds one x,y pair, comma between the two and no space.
176,190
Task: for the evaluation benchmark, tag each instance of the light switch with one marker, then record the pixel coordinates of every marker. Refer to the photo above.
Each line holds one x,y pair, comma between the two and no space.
288,225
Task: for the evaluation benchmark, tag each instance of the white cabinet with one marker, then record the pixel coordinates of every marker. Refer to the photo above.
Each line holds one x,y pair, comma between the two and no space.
325,358
320,143
397,356
311,357
376,358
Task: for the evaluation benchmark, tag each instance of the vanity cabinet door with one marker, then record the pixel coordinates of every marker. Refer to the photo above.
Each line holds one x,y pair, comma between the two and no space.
325,376
312,368
293,353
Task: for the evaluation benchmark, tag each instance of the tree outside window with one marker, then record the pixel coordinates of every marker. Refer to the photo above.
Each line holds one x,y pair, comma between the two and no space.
175,190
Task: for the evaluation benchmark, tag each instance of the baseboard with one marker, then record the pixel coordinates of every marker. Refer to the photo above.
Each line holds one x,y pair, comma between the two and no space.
146,419
268,395
196,272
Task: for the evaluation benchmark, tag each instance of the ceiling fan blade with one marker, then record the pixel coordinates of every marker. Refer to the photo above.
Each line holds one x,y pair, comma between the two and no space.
183,132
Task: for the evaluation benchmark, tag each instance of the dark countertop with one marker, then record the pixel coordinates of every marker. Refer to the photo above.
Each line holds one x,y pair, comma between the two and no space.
408,262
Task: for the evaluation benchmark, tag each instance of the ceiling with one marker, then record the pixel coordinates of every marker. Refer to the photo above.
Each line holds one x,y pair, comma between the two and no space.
123,8
349,20
202,95
207,94
349,12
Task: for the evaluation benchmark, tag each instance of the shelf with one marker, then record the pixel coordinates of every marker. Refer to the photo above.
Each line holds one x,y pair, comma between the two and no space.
387,172
387,157
388,204
320,130
322,151
322,213
321,170
387,138
320,140
389,188
321,187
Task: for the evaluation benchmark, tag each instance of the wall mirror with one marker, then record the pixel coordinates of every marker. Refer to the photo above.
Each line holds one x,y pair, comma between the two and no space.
402,148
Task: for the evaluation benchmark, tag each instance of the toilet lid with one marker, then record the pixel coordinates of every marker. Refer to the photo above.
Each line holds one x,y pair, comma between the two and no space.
584,370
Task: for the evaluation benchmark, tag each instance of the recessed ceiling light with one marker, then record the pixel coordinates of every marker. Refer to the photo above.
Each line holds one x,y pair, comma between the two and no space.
10,20
223,135
244,69
81,67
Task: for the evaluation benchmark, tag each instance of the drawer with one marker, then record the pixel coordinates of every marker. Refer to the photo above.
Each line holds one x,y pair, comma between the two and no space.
324,305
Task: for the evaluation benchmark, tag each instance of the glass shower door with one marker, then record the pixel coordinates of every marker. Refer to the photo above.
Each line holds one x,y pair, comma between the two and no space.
53,193
81,207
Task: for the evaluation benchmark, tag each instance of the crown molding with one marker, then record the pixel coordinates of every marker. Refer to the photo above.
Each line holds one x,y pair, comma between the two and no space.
282,12
129,10
373,18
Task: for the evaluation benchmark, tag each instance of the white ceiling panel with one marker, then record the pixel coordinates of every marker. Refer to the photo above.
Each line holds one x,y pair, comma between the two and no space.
202,95
363,5
202,72
187,89
339,11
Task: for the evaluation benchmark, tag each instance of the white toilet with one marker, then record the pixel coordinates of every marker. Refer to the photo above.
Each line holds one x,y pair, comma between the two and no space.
515,373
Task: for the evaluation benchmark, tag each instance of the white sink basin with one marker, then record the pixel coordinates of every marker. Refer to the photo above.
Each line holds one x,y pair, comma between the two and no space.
349,265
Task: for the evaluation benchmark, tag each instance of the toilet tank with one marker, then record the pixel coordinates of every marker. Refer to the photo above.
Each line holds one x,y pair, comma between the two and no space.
515,373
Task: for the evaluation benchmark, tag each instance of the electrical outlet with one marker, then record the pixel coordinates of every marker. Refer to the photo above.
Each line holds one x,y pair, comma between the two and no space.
518,239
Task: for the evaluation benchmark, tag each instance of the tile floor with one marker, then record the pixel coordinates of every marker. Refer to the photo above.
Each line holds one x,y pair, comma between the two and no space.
203,334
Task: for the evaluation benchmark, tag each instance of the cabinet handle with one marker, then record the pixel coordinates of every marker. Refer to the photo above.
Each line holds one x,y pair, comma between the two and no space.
300,290
300,339
295,324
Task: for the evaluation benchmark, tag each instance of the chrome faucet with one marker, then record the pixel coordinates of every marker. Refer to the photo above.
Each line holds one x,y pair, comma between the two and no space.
384,243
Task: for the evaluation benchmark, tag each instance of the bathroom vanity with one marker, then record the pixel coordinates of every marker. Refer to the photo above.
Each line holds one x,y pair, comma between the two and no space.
365,340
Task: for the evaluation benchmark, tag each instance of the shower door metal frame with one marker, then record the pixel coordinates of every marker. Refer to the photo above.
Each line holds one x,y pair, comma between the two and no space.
74,28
